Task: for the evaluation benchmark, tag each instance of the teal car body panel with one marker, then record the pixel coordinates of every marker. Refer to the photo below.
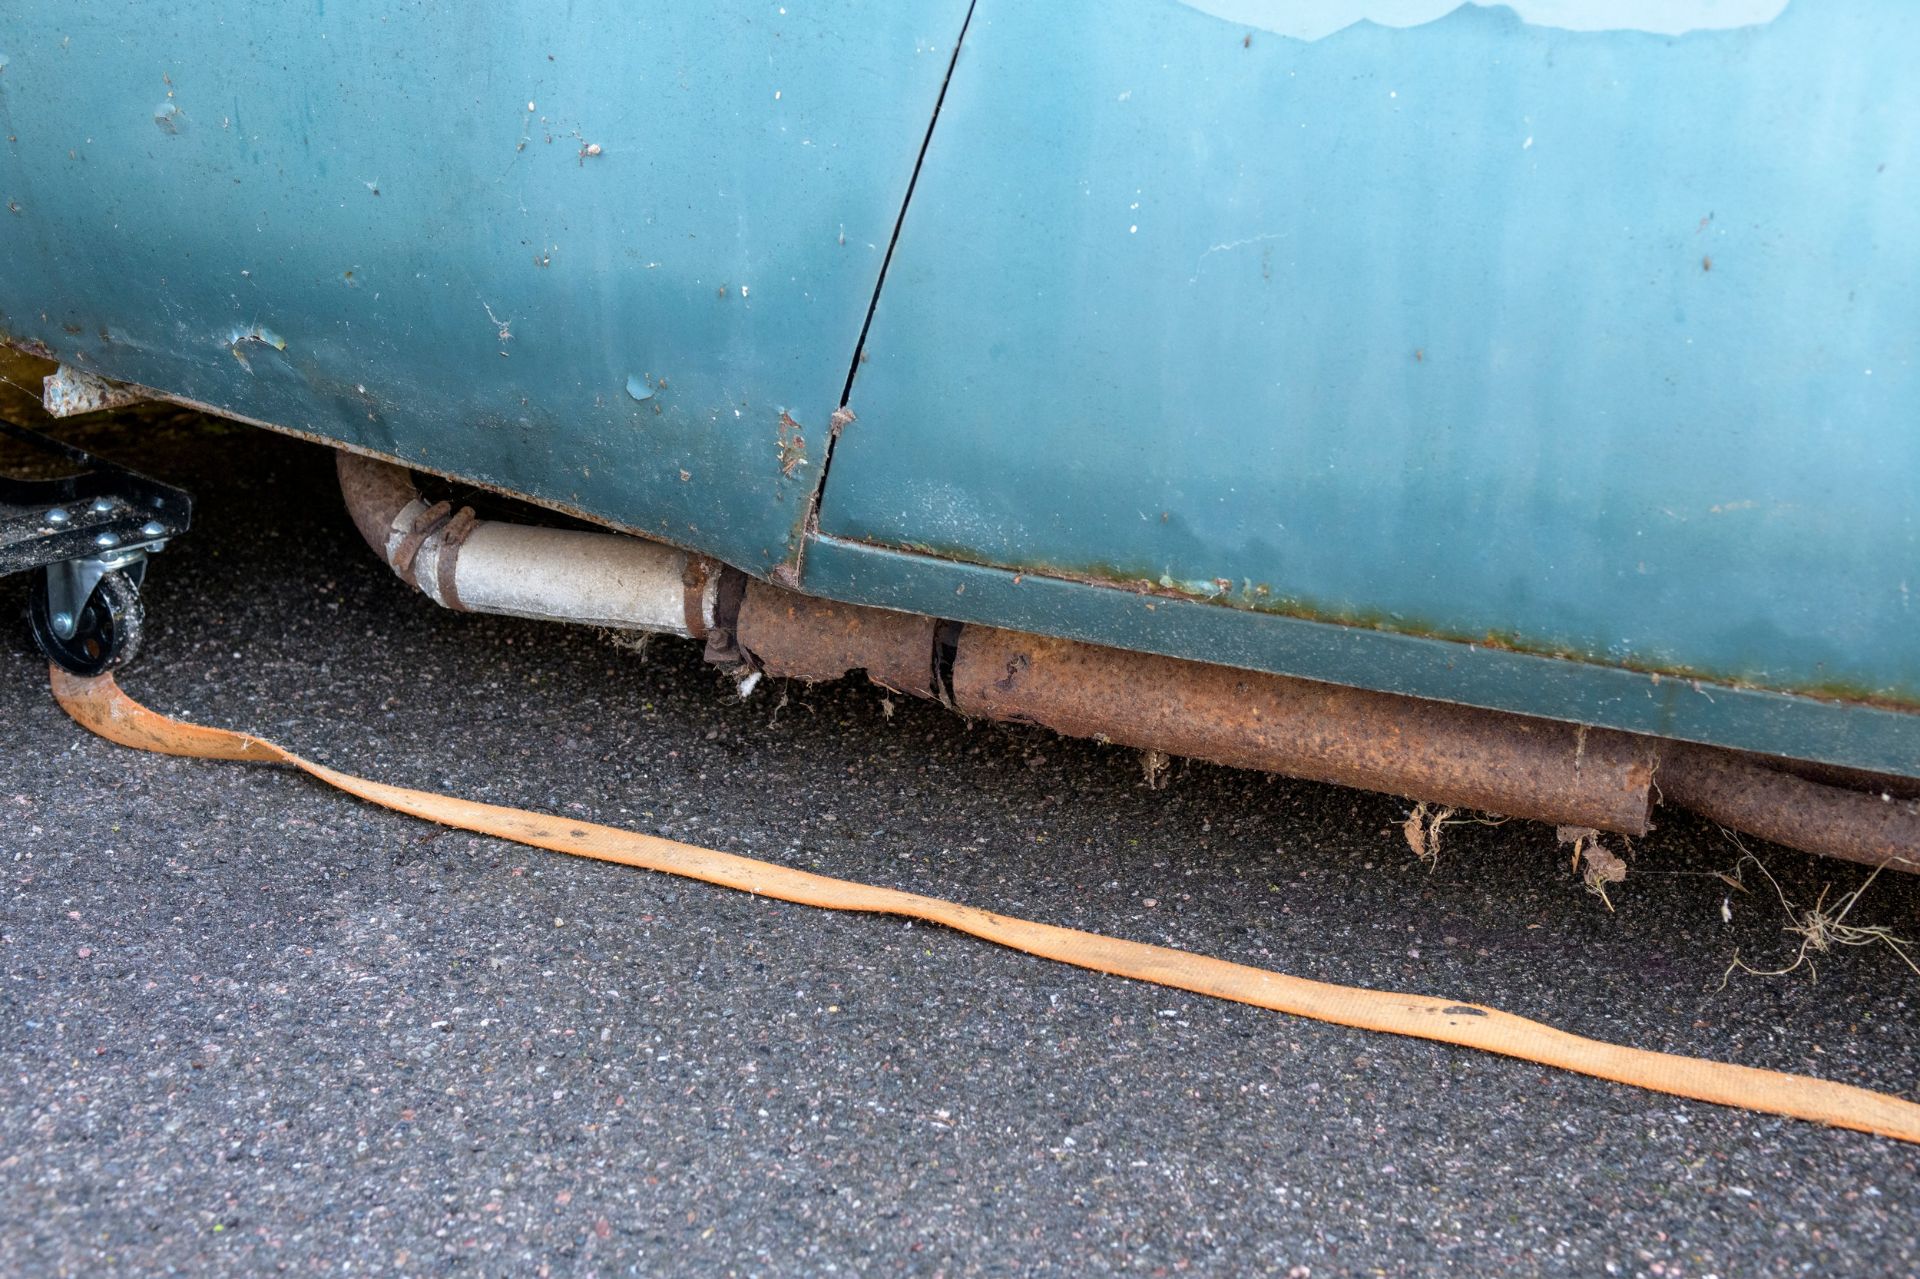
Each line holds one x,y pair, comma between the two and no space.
613,257
1599,344
1497,355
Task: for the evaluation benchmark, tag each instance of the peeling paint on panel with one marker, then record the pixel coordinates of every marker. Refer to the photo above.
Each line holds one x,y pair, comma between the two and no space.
793,445
254,335
1318,19
68,392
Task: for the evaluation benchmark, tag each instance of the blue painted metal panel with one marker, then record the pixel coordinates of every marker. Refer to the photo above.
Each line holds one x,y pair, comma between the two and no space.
590,253
1602,343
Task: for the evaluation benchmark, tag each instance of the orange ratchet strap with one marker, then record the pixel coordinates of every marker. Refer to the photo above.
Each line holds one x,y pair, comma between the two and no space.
100,705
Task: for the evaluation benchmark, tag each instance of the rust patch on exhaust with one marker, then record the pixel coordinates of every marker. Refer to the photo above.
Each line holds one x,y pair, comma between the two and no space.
1433,751
459,529
693,608
425,525
729,596
803,637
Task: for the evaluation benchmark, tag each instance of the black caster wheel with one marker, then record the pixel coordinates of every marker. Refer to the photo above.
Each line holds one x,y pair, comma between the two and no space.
107,633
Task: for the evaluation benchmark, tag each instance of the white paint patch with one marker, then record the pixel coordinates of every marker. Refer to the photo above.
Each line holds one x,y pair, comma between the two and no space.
1316,19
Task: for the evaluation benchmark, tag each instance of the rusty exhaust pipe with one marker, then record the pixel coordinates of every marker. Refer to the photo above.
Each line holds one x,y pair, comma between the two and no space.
796,636
1435,751
1438,752
1874,829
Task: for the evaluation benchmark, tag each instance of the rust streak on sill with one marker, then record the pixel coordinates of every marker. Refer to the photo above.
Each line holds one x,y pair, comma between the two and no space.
1135,585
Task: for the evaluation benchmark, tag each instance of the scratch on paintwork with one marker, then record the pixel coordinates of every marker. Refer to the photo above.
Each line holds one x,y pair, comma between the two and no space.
1231,245
504,326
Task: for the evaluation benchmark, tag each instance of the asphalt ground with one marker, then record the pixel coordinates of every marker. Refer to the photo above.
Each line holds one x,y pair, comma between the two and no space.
249,1025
